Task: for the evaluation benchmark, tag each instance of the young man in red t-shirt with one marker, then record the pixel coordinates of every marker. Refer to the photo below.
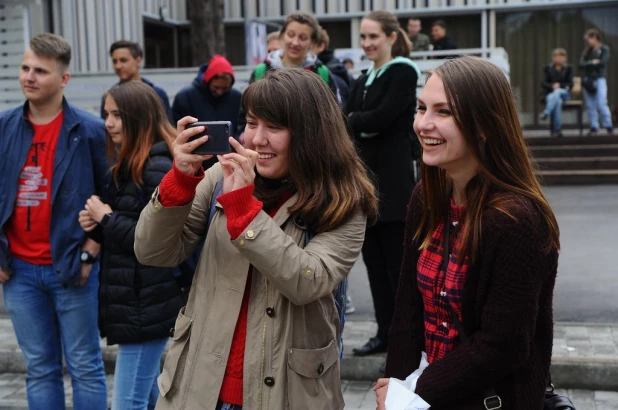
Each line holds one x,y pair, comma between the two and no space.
53,161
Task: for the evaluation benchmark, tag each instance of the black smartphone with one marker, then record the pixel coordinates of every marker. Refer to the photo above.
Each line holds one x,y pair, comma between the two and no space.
218,137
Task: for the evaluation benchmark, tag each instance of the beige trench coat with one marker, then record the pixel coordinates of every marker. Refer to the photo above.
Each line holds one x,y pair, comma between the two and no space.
291,355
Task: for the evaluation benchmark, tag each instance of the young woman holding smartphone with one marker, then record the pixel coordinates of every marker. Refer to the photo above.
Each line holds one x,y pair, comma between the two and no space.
284,223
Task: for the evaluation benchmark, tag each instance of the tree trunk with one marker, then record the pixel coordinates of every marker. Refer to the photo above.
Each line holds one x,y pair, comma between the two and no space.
207,29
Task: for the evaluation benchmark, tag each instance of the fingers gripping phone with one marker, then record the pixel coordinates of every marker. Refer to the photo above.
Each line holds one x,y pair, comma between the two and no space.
218,137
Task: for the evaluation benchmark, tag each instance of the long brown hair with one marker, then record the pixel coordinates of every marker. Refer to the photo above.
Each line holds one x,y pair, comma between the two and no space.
484,110
325,169
144,122
390,25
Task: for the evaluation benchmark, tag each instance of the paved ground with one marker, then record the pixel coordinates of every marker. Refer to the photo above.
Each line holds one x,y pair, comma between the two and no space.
357,395
586,287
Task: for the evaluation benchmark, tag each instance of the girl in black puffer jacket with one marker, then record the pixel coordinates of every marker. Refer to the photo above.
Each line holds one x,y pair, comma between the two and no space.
138,304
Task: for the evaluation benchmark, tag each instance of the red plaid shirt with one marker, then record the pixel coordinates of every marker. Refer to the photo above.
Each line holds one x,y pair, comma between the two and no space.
439,288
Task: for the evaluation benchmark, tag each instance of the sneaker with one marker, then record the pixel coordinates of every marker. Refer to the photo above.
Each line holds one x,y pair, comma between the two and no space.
610,131
349,307
592,132
557,134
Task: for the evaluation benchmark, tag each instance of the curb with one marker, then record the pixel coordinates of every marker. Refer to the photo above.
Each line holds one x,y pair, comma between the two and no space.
567,373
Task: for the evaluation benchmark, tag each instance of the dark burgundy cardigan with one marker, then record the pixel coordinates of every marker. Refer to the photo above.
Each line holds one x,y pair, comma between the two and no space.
507,312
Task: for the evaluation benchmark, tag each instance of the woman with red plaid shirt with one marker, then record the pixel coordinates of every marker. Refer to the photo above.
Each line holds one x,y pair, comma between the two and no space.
479,194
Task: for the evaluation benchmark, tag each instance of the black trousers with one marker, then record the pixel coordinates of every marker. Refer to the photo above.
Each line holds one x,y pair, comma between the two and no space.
383,256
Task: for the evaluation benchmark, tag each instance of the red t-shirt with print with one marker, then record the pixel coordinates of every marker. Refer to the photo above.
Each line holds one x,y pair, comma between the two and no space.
28,227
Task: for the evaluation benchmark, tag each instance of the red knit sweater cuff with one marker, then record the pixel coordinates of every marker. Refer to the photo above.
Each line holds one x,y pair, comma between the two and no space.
240,209
231,390
178,188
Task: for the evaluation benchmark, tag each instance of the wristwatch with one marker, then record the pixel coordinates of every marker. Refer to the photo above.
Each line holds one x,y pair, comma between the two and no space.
105,219
87,257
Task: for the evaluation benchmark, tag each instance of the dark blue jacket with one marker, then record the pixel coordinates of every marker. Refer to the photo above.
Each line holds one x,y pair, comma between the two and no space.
80,170
197,101
160,92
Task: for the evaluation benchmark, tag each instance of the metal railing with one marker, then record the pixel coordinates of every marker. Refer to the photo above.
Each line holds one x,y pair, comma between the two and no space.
240,10
86,89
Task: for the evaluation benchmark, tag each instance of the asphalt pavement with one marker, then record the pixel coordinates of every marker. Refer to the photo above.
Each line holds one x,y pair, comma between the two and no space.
587,284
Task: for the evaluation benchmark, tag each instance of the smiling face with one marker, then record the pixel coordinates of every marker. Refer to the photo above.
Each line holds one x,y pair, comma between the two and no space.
297,41
443,143
113,122
374,41
125,65
42,79
272,143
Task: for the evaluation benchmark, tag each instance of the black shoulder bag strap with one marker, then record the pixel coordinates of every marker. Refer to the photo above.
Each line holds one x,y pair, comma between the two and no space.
492,400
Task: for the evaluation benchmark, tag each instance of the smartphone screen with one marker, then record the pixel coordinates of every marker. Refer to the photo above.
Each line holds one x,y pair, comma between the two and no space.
218,137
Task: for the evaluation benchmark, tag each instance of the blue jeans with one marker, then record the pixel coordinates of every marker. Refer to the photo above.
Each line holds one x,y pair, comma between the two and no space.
553,106
596,103
225,406
48,319
135,379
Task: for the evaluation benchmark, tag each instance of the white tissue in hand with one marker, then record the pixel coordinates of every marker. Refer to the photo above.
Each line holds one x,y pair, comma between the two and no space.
399,397
400,394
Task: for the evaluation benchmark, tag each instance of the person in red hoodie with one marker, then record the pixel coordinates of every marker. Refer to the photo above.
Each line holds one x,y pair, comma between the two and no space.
211,96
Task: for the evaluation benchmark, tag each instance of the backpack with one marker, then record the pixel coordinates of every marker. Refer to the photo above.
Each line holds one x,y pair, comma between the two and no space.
262,68
340,294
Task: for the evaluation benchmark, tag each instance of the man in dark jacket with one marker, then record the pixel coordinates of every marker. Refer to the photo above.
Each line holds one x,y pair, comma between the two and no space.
327,57
210,97
53,160
440,40
557,82
126,58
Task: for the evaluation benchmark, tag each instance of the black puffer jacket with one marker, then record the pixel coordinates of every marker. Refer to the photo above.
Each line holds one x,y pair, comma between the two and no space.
136,302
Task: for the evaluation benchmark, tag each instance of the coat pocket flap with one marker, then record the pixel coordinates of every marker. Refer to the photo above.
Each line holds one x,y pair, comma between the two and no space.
182,326
313,363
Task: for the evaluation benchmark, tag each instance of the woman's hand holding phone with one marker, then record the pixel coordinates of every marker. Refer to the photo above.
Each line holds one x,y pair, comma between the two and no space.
238,167
184,160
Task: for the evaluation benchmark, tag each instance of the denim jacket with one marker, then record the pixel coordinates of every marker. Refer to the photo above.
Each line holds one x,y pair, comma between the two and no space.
80,170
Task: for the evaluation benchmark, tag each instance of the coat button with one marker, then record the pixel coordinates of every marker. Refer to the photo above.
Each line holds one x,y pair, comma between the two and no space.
172,330
270,312
241,242
269,381
250,234
320,368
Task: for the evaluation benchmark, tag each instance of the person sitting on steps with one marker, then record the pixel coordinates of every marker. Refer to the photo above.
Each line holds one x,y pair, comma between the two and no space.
557,83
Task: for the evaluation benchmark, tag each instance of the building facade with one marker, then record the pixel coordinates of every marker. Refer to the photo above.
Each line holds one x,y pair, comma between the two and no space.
527,29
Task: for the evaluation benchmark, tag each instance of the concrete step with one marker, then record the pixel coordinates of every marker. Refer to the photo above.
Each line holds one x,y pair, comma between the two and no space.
579,177
571,151
577,163
572,140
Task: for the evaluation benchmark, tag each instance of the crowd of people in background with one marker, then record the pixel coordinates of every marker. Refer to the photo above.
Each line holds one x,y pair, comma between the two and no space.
100,217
